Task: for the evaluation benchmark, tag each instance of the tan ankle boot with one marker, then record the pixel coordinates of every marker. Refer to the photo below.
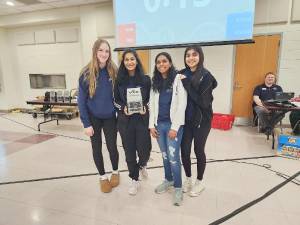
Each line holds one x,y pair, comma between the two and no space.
105,186
115,180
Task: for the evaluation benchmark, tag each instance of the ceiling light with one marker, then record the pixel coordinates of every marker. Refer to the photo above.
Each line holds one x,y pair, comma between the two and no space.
10,3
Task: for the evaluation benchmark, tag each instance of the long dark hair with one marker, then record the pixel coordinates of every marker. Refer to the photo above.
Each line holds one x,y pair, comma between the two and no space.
157,79
123,75
197,75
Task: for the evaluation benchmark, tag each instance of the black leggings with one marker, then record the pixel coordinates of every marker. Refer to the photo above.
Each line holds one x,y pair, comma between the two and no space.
136,142
109,127
200,136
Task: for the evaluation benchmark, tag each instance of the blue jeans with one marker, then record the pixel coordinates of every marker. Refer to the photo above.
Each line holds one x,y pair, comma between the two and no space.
170,153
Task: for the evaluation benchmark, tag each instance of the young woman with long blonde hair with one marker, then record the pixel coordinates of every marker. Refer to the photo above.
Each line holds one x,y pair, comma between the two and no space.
97,111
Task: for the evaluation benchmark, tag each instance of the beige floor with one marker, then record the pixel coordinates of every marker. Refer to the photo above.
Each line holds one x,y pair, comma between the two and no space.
26,154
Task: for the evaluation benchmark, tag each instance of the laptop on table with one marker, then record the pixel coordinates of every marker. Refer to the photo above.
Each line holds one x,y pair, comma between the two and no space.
282,98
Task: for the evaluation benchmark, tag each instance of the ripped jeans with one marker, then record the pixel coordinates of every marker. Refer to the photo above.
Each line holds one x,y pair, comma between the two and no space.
170,149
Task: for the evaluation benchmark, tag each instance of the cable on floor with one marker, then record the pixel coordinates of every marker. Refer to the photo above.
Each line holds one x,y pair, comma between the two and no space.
47,132
266,166
92,174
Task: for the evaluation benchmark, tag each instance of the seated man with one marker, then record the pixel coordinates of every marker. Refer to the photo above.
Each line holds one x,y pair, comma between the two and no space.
264,92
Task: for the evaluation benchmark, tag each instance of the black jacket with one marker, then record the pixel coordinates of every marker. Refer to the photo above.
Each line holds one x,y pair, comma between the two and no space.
202,97
120,98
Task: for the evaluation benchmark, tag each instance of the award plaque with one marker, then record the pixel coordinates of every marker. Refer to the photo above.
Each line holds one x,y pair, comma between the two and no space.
134,100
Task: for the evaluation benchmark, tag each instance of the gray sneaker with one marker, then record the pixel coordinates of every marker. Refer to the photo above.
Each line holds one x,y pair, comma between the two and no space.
177,196
163,187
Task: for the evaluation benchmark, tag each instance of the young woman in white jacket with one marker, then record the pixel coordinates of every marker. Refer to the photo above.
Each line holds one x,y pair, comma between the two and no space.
168,100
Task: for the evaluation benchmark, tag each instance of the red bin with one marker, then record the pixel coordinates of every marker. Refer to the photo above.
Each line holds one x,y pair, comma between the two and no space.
222,121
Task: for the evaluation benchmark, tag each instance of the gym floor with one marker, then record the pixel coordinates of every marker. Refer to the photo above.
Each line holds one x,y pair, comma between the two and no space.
49,178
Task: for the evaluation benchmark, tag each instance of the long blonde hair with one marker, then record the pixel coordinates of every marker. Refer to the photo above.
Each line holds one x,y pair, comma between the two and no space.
91,70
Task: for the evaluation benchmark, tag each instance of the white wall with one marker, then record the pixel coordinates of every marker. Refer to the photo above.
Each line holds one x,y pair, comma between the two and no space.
66,58
219,61
63,58
95,21
40,17
9,80
88,31
57,58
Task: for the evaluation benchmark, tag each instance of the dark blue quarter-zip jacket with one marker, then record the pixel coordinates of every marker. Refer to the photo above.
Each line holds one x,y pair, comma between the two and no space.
101,104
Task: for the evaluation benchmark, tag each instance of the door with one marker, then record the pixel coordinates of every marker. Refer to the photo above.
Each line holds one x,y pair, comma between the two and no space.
252,62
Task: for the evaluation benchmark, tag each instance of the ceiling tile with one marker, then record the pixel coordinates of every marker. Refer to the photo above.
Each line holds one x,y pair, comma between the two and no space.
8,11
3,3
66,3
46,1
36,7
45,4
29,2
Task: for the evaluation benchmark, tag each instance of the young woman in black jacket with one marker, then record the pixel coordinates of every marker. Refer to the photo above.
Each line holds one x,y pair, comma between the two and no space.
133,127
199,84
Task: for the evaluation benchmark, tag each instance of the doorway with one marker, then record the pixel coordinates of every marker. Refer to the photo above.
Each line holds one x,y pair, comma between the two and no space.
252,62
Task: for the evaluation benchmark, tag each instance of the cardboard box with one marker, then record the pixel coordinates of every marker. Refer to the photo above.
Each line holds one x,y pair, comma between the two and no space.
289,145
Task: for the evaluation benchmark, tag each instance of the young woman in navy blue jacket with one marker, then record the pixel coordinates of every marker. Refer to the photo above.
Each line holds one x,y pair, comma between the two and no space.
97,111
133,127
199,84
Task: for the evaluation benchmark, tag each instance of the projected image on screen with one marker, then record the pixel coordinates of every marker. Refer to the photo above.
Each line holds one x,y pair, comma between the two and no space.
166,22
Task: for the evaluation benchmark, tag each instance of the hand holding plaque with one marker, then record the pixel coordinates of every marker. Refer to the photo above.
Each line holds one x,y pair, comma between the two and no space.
134,101
143,112
126,111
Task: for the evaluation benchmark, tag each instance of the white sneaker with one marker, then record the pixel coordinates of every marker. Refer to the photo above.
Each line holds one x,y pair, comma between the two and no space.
144,172
197,189
187,185
134,186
